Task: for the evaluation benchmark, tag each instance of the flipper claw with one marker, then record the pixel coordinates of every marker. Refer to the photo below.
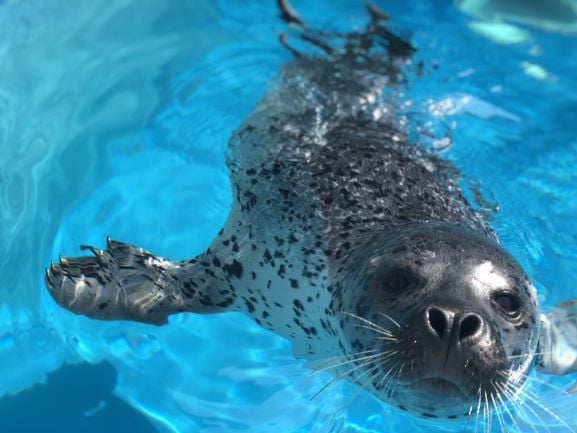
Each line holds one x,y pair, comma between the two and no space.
53,268
97,252
48,276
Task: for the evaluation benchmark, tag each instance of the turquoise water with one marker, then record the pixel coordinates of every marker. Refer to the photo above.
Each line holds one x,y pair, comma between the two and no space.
114,121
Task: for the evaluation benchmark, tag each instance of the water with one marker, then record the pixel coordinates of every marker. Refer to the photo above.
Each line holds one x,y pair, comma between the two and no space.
114,119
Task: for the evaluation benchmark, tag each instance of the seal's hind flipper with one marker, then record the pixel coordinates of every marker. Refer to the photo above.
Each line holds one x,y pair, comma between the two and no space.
122,282
376,13
288,14
558,341
374,50
375,31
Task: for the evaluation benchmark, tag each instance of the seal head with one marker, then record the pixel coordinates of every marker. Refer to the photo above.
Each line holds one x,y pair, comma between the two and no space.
450,319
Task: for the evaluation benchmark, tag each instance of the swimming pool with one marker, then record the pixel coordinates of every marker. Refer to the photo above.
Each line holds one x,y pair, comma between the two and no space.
100,106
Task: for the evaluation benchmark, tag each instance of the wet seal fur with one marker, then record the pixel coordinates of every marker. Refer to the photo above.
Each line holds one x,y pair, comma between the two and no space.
350,241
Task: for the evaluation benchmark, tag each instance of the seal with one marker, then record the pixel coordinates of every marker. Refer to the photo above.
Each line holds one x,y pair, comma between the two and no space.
351,241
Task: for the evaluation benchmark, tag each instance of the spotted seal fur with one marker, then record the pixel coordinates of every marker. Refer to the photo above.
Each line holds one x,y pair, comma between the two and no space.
349,240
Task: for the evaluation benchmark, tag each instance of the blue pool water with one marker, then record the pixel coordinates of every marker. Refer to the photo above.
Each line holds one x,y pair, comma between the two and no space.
114,121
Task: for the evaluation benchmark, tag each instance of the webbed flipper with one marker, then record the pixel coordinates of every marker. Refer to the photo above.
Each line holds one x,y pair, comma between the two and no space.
125,282
122,282
375,49
557,353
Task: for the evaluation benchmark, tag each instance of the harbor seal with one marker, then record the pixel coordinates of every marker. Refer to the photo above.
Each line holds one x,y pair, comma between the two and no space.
348,239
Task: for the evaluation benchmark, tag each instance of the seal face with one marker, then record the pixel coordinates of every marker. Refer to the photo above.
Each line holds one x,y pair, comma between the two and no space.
349,240
448,316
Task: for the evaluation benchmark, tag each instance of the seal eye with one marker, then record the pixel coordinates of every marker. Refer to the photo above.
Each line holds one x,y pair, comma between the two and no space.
508,303
397,281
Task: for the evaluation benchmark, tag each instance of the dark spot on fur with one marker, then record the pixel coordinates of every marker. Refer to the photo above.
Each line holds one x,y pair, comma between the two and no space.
249,306
234,268
298,305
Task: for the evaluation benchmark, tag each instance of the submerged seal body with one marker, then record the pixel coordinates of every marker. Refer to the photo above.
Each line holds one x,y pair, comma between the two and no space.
348,240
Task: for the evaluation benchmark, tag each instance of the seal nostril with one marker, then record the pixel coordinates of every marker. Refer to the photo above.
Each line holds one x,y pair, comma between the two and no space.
470,325
437,321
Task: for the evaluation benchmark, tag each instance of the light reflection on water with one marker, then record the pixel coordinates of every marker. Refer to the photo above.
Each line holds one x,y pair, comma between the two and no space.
114,119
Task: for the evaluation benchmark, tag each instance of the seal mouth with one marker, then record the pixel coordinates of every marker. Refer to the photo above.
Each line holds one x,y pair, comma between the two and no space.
439,386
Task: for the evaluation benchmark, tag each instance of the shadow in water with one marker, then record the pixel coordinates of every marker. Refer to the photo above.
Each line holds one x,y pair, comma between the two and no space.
74,399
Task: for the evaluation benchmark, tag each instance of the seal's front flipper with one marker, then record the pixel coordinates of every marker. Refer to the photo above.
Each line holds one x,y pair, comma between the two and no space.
558,341
121,282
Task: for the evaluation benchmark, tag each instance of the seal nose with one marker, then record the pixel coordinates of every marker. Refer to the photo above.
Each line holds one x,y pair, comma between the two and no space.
441,322
470,326
438,321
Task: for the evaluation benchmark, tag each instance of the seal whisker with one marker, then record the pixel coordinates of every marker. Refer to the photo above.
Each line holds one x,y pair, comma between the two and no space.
371,328
344,363
374,328
527,355
478,408
366,321
362,319
534,399
494,413
372,374
497,412
339,364
337,358
345,374
521,405
386,316
484,420
401,369
488,414
513,393
386,357
530,378
350,400
339,377
504,407
511,399
387,376
396,340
